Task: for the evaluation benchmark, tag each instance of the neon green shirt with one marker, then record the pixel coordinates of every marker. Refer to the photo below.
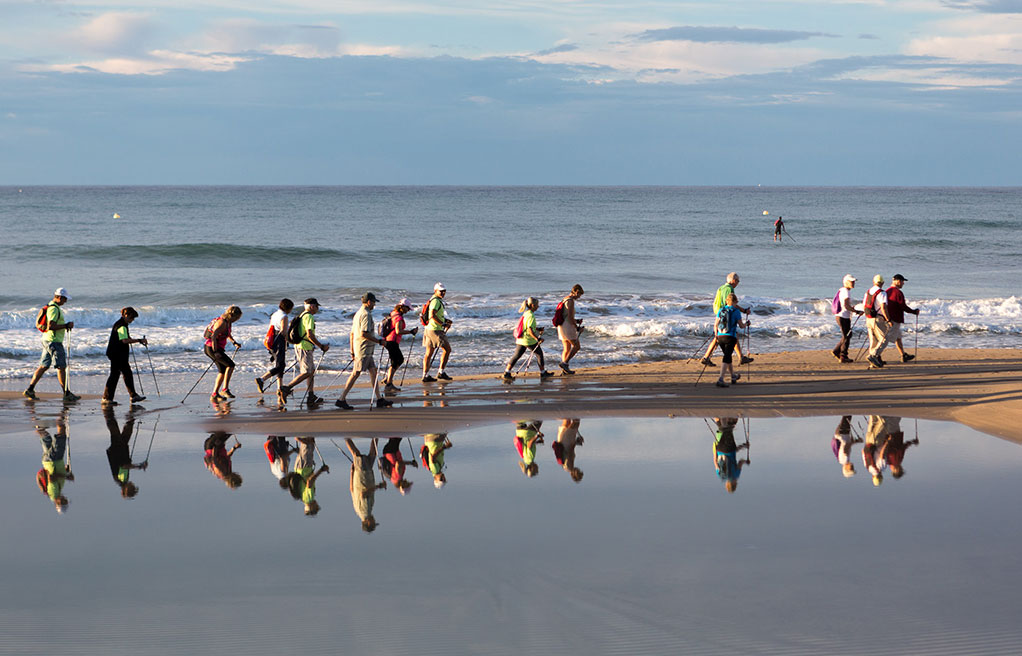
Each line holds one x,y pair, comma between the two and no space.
56,315
528,452
721,297
308,485
122,333
435,444
529,323
55,484
308,323
436,304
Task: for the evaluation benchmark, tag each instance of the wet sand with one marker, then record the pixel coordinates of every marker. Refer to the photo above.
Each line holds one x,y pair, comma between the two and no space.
979,388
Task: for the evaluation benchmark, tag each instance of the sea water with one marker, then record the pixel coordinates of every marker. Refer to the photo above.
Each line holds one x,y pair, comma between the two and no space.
650,259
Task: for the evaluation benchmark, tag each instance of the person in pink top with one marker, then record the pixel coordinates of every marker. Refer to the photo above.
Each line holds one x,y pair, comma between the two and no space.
392,342
217,334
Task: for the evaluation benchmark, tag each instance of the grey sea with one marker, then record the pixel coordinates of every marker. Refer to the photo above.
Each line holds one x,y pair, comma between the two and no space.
650,259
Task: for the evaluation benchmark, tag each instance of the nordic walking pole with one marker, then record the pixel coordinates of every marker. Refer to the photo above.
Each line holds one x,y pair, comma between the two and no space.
339,374
748,365
314,372
342,451
699,376
151,367
67,369
858,354
134,360
915,333
699,349
210,366
408,359
525,366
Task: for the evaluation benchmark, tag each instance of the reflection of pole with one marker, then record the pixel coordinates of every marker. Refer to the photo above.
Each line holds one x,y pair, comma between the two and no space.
153,437
341,450
321,458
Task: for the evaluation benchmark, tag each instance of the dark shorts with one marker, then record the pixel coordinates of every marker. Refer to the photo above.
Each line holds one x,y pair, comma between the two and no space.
223,362
727,346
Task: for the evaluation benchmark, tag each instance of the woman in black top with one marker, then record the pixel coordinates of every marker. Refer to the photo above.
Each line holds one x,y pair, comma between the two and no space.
119,352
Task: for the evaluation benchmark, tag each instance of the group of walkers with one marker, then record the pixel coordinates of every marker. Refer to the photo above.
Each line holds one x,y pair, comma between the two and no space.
884,309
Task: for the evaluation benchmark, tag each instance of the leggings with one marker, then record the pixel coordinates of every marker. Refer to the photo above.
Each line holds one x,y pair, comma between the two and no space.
119,367
397,358
520,350
222,360
278,357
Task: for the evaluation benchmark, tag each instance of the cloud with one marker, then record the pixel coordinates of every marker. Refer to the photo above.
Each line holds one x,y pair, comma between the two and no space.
564,47
707,34
249,35
988,6
157,62
976,38
115,32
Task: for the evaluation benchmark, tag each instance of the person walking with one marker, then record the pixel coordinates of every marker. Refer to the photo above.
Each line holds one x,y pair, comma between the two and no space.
393,465
896,309
276,344
306,332
217,334
874,305
726,327
217,458
527,337
844,318
435,335
719,298
392,332
569,328
363,340
118,349
54,327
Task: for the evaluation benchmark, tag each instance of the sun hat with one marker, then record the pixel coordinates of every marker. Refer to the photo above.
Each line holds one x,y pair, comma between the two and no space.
439,287
404,302
849,278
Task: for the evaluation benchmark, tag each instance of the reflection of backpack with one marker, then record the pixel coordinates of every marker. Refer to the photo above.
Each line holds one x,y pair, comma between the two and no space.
42,479
558,452
294,331
520,328
558,314
42,324
424,456
835,305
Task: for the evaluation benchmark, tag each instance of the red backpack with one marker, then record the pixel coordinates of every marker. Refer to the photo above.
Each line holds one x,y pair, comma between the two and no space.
271,337
520,328
42,324
558,315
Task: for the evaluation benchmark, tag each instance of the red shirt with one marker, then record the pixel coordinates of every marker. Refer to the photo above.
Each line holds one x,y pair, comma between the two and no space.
896,305
397,324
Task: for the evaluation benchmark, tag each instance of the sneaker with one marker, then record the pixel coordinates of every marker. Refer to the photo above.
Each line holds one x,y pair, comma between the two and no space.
443,376
30,393
284,392
138,398
721,383
391,389
428,379
259,383
507,377
543,375
71,396
707,362
106,403
226,393
746,359
383,403
908,357
313,400
734,379
837,355
343,405
215,398
874,362
845,359
881,361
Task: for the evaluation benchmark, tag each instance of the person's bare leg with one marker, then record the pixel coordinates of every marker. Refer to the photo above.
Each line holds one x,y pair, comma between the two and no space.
426,359
37,375
217,383
349,384
62,378
445,357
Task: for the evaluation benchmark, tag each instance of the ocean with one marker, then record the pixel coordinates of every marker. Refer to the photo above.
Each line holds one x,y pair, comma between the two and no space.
650,259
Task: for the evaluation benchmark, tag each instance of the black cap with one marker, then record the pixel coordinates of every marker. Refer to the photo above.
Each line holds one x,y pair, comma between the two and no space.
368,296
900,277
311,301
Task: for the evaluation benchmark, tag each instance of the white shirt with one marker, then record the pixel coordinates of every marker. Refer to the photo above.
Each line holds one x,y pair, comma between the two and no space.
277,319
842,298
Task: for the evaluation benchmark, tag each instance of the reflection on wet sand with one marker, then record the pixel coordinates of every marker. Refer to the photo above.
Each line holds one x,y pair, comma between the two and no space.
725,452
432,456
218,459
527,436
55,471
362,483
393,465
568,439
119,453
885,447
301,483
842,445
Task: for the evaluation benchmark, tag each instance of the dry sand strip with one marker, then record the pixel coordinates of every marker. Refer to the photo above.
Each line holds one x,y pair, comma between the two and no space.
979,388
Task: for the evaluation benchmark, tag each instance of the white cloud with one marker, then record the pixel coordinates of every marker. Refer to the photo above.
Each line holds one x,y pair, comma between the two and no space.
935,78
156,62
115,32
979,38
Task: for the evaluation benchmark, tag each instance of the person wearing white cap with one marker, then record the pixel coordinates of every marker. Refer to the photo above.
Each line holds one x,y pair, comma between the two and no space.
435,335
843,312
391,329
54,326
874,304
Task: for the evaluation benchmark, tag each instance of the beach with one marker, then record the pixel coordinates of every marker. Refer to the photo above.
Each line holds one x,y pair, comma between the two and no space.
978,388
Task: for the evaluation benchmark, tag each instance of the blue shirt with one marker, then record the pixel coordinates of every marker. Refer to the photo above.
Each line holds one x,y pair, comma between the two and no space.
729,324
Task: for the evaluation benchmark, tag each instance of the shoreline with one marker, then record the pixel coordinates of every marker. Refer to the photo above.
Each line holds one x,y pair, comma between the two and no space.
980,388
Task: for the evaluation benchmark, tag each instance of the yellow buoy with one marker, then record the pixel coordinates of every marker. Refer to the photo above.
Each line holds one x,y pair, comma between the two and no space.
765,212
116,215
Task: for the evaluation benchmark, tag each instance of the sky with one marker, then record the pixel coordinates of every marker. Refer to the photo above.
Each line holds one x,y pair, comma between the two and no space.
660,92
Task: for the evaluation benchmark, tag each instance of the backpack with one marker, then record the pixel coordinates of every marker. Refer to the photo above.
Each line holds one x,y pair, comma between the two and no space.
386,326
424,313
835,305
294,331
558,314
725,319
271,337
868,305
41,322
520,328
208,332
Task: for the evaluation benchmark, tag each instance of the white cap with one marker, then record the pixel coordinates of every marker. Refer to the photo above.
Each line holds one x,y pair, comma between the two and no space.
849,278
404,302
439,287
62,292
